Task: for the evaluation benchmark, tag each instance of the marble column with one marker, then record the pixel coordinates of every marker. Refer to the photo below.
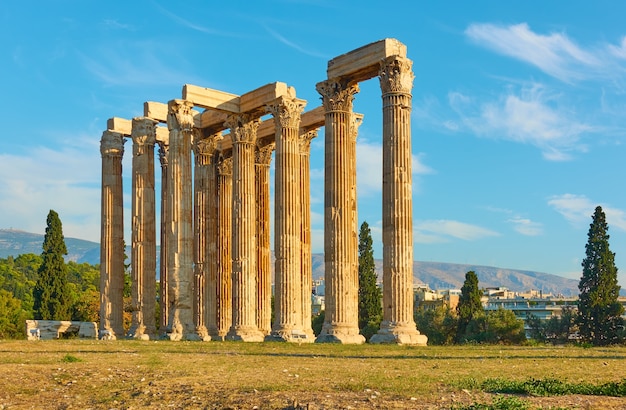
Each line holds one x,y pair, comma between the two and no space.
288,223
180,231
223,262
305,233
143,239
112,237
340,224
165,217
244,134
264,255
210,232
398,326
204,197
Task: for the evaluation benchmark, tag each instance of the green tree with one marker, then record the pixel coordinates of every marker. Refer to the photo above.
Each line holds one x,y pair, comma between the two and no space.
559,328
370,308
52,300
599,312
12,316
470,306
439,324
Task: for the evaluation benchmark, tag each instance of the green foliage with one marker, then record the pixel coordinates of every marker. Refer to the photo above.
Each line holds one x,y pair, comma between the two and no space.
499,403
438,324
470,307
317,322
68,358
370,308
547,387
12,316
51,294
599,312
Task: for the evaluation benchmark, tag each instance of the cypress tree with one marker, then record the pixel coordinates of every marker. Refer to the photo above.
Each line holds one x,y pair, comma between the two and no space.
470,307
599,312
370,308
51,293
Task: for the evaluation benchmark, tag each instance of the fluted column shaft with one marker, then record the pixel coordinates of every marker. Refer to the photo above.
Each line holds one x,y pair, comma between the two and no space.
180,232
223,260
398,326
143,237
264,260
165,218
204,195
288,222
112,237
305,234
340,202
244,327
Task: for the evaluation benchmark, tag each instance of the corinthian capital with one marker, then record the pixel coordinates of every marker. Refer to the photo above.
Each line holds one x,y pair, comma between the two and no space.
180,115
243,128
112,144
395,75
286,112
305,141
263,155
337,95
225,166
206,147
143,134
163,151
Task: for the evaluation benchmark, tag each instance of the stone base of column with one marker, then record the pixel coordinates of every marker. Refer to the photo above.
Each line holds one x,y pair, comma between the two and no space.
202,334
399,333
343,335
140,333
292,336
245,334
107,334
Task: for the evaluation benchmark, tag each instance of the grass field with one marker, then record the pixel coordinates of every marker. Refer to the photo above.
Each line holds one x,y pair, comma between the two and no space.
221,375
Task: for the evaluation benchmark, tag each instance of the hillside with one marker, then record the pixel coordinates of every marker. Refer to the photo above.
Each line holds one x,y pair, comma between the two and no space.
437,275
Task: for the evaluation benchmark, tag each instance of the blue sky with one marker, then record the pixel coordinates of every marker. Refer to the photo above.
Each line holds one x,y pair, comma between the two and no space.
518,123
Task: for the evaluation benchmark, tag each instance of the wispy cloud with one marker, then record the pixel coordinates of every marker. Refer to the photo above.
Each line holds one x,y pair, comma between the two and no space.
116,25
66,180
442,230
531,116
143,63
554,53
291,44
526,226
193,26
578,210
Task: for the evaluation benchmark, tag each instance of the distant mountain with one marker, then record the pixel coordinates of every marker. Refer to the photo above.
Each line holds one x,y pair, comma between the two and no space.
14,242
437,275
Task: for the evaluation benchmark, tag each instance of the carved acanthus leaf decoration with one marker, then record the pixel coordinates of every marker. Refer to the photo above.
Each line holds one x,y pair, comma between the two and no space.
286,112
112,144
395,75
225,166
305,141
264,154
337,95
243,128
180,115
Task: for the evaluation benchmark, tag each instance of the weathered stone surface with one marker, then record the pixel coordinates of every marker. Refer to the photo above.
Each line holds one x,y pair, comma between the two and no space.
364,62
244,324
398,326
55,329
112,235
340,219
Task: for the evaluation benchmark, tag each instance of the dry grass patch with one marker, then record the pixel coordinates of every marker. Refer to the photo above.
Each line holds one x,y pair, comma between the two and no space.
214,375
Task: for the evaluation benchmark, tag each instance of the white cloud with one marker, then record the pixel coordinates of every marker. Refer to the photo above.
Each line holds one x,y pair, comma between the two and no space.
555,53
441,230
532,116
526,227
578,210
66,180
